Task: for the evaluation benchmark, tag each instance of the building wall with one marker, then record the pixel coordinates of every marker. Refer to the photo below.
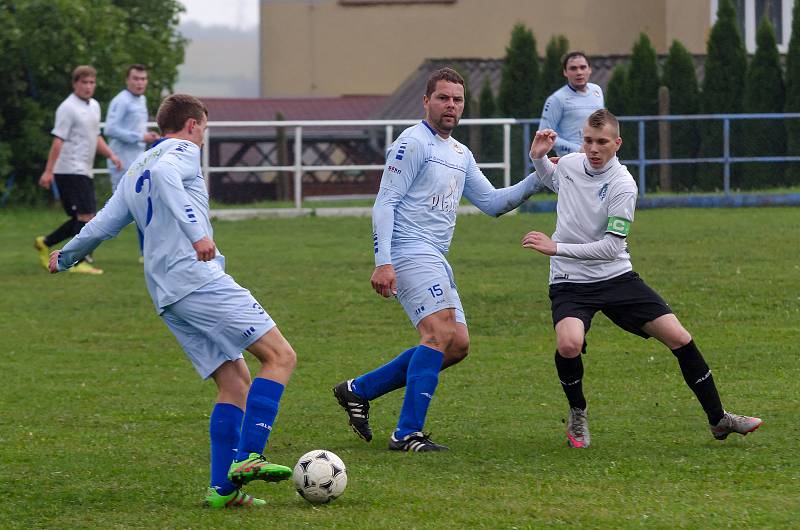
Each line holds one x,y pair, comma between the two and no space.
327,48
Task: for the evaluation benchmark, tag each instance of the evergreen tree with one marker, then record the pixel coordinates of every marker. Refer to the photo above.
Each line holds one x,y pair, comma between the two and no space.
491,135
520,88
764,93
643,98
723,83
684,98
617,102
553,69
793,96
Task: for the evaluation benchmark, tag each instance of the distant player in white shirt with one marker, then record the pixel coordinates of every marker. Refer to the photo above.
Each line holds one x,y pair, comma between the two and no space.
426,173
212,317
126,122
590,271
566,110
76,138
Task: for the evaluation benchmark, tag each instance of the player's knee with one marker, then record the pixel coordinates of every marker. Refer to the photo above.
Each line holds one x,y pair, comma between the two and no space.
85,217
569,347
440,337
457,352
285,357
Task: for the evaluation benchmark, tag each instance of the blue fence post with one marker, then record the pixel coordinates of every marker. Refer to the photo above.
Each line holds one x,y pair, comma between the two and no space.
642,165
726,155
526,143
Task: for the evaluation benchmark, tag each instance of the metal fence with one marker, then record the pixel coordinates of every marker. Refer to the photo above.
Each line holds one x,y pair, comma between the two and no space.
390,129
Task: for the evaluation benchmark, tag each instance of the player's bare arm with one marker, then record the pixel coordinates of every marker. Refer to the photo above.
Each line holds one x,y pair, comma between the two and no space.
105,150
539,242
47,175
384,280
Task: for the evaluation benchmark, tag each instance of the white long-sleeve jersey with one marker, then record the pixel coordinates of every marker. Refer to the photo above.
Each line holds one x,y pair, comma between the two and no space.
594,212
165,194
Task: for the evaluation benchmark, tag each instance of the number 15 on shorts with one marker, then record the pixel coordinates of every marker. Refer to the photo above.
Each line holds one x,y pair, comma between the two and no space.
436,290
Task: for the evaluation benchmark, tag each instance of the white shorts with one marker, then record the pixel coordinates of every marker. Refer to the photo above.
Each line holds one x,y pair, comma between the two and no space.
425,285
216,322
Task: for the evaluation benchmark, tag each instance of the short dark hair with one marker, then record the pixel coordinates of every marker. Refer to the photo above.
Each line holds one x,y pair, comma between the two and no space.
82,71
442,74
137,66
602,117
572,55
176,109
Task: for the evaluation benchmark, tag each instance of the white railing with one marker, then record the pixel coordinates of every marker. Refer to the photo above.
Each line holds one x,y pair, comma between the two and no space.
298,168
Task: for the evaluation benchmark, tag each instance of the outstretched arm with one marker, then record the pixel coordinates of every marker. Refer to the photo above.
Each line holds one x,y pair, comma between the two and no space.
105,225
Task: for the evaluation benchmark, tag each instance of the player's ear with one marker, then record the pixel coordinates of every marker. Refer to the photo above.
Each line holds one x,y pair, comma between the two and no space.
618,143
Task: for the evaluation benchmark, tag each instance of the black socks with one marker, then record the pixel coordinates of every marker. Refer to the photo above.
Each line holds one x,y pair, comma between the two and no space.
698,377
70,228
570,373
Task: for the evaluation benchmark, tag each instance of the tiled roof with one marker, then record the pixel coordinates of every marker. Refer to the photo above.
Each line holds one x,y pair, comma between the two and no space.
335,108
406,102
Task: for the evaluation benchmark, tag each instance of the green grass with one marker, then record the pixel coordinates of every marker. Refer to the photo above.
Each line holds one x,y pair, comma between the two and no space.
103,422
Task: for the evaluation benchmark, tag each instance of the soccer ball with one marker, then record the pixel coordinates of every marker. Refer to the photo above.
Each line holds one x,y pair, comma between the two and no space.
320,476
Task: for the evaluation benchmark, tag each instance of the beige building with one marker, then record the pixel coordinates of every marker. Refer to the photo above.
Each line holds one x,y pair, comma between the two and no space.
344,47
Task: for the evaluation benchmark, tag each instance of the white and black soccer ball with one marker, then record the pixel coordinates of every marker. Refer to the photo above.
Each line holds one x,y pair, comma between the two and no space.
320,476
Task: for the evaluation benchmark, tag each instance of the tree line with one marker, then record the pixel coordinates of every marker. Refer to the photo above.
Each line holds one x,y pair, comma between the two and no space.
732,84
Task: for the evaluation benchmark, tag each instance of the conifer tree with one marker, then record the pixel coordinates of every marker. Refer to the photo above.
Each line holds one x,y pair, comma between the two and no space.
520,94
793,96
764,92
643,97
553,69
723,89
684,98
491,135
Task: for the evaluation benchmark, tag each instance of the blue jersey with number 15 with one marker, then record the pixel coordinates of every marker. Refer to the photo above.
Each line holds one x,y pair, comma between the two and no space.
165,194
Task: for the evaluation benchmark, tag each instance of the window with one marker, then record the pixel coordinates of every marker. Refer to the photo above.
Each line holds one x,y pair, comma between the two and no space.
749,13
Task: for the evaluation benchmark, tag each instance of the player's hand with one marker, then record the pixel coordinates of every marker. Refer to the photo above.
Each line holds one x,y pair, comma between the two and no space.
206,249
116,161
53,265
46,180
384,281
542,143
150,137
539,242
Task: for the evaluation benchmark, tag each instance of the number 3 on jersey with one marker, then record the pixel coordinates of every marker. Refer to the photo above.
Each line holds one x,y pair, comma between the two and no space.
139,185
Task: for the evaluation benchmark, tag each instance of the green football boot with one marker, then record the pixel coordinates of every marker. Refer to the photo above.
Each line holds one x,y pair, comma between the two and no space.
256,467
235,499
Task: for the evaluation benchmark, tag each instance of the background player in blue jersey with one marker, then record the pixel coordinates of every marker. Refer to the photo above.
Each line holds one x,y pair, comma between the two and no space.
212,317
566,110
426,173
126,122
126,125
591,271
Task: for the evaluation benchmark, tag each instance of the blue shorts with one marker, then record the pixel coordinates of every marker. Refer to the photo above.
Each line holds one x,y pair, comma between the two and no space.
425,285
216,322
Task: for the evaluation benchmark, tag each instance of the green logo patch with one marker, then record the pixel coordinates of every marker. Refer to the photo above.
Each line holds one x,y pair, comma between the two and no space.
618,226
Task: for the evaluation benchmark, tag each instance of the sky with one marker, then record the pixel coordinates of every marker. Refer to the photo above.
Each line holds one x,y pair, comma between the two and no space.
222,56
238,14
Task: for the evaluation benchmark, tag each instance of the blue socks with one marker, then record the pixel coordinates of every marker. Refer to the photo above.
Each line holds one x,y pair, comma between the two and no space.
421,381
224,429
384,379
262,407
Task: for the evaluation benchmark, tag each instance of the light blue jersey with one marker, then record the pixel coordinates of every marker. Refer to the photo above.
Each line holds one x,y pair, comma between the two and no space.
126,124
422,183
566,111
165,194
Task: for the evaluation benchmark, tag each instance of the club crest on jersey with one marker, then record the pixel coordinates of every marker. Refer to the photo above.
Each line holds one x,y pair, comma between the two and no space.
457,149
603,192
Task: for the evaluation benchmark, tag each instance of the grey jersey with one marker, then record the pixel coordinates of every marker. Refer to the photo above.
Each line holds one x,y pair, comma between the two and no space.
165,194
593,206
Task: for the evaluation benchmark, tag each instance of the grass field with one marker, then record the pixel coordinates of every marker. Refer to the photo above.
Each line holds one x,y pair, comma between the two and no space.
103,422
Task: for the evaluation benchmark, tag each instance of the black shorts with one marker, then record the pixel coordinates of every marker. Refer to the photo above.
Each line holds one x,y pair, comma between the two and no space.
77,194
626,300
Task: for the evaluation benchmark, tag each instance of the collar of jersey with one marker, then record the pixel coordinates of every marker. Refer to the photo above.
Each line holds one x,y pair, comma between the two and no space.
431,129
595,172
